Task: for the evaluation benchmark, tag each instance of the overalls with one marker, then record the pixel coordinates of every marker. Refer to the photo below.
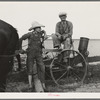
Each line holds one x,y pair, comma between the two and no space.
34,56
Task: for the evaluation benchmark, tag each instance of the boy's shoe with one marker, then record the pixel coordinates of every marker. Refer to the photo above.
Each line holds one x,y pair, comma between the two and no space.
30,90
45,90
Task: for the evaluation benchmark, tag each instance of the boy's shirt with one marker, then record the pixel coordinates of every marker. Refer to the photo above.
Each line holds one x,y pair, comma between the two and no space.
34,41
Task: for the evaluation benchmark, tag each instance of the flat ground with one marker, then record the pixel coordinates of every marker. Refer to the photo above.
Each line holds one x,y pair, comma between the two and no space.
17,81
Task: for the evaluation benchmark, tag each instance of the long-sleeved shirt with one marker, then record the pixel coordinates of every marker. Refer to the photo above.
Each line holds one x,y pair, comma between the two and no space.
64,28
34,41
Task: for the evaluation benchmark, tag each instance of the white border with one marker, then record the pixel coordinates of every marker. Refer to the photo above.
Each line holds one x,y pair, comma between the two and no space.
49,95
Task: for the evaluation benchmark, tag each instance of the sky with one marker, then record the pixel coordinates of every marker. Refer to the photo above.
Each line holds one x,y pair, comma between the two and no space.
85,16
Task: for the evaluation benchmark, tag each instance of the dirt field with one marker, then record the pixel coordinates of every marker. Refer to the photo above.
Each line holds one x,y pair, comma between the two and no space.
17,81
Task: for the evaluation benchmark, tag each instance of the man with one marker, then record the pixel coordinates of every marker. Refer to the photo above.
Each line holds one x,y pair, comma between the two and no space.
63,32
34,54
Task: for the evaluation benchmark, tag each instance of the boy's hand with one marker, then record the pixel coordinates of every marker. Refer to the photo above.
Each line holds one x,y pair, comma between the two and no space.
22,51
43,31
17,52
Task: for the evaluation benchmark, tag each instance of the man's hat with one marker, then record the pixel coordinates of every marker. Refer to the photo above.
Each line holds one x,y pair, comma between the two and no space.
36,24
62,14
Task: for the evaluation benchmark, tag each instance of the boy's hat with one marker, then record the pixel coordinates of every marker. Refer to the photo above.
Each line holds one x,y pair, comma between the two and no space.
36,24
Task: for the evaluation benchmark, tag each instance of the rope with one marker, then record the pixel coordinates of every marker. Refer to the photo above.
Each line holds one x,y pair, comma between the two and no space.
8,55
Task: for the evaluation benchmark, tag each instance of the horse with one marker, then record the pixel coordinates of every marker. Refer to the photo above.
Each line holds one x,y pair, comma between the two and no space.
8,44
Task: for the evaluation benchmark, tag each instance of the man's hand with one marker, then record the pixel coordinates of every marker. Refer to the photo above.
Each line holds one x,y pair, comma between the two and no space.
58,35
65,36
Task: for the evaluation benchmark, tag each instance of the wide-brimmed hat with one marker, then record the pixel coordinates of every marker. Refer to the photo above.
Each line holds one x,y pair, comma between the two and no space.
35,24
62,14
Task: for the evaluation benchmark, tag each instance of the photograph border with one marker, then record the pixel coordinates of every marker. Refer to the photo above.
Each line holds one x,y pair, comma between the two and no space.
50,96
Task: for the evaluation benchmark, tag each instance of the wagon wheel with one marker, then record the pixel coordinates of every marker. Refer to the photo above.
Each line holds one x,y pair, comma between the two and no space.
68,69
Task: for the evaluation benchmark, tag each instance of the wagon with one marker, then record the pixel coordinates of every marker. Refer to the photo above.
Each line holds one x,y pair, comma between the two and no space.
68,68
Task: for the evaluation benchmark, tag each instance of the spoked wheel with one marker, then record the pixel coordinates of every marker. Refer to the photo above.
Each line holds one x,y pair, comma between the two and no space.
68,69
